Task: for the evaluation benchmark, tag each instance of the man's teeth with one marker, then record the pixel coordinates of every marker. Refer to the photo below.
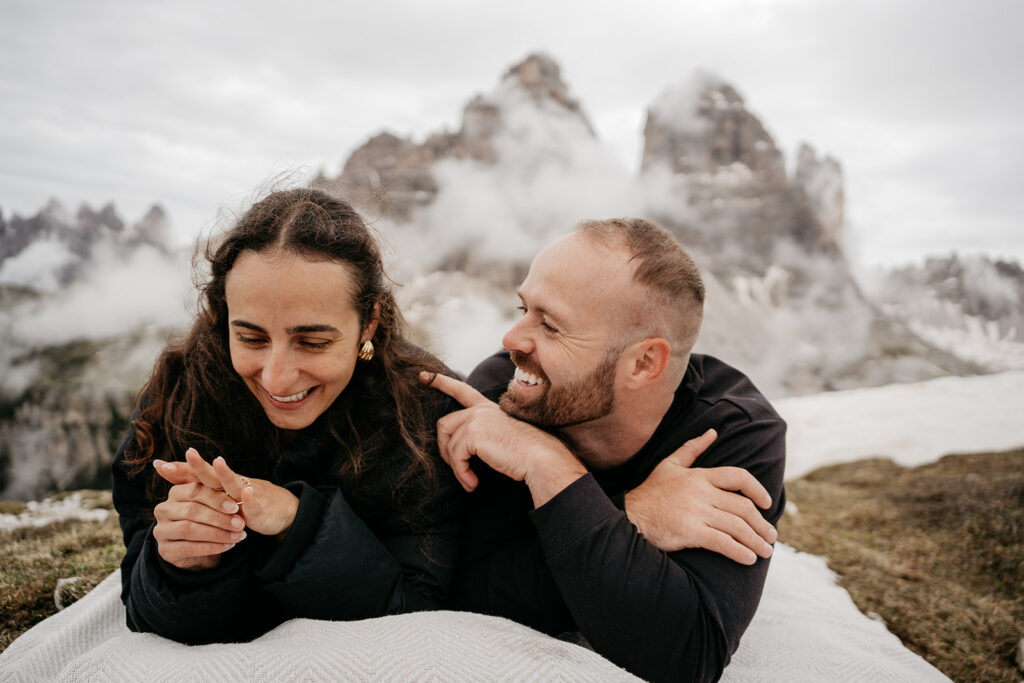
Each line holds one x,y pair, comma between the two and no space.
293,398
527,378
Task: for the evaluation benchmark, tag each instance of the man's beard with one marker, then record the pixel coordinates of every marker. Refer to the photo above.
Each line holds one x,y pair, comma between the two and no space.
578,401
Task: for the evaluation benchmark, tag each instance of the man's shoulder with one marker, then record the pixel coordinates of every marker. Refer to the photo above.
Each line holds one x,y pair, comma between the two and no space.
492,375
718,385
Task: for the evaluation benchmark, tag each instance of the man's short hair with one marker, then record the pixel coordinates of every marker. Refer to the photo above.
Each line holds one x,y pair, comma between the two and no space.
666,272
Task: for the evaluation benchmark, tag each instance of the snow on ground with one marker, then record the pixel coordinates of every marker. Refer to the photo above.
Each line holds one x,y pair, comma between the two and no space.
807,628
912,424
41,513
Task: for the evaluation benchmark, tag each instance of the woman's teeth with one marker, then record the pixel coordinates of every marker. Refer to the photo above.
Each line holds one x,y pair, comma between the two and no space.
293,398
527,378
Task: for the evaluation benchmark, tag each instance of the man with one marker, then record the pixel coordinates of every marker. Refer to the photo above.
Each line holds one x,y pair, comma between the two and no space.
602,407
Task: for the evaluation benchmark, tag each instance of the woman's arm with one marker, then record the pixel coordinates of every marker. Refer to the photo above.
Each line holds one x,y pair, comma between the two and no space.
211,605
333,565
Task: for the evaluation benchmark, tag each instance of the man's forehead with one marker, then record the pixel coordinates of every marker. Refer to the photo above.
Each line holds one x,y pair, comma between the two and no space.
574,270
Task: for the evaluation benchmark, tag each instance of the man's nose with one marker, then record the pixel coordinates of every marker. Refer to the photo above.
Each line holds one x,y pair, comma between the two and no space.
518,338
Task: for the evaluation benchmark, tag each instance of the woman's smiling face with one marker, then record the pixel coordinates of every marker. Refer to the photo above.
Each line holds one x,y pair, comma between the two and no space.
294,332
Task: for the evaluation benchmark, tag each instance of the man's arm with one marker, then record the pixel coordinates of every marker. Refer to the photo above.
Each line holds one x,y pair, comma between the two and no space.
659,615
676,507
679,506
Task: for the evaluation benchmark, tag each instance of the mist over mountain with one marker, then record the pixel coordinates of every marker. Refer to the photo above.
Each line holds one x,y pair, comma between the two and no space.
87,300
972,306
86,303
526,165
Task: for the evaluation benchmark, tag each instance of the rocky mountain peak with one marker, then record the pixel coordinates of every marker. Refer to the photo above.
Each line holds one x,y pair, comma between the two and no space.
395,173
106,217
701,125
822,180
540,76
62,244
151,229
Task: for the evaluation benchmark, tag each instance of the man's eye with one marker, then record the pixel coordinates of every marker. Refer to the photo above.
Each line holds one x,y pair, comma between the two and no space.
547,328
521,308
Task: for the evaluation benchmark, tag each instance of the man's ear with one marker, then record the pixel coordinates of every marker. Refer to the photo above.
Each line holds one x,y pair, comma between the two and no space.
648,360
371,327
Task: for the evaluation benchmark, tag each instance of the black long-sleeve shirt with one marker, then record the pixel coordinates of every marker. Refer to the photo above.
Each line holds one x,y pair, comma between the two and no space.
334,563
577,563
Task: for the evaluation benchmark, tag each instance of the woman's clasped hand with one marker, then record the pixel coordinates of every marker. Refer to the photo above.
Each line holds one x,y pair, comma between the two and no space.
209,508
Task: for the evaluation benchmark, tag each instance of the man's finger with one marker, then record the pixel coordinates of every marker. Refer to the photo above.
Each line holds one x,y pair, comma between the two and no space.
724,544
685,455
454,452
740,531
738,479
447,426
742,508
460,391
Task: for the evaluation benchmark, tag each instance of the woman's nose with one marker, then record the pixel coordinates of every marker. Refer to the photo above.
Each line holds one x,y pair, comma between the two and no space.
279,373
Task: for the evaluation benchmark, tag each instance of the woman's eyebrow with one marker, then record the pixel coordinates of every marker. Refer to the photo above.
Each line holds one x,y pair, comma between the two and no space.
247,325
298,329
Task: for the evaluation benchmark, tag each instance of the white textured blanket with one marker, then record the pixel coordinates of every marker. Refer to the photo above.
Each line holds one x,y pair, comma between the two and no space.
807,629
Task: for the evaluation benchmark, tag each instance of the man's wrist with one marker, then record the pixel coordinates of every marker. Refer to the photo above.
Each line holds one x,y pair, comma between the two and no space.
634,512
550,472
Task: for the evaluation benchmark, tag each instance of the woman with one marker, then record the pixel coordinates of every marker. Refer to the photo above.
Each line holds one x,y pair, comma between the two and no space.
294,469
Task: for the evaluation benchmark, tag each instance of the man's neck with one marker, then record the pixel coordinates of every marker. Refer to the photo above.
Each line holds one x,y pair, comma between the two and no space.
618,436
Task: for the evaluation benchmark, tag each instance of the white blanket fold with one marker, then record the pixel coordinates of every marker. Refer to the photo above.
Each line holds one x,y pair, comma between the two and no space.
806,629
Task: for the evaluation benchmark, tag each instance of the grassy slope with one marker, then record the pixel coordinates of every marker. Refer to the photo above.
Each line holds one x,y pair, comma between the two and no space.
33,559
936,551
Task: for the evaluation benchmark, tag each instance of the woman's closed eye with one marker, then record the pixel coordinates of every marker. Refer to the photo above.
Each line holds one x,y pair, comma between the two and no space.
315,344
251,341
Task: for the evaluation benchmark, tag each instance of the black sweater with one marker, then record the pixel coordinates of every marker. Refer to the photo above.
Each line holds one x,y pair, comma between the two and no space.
334,563
577,563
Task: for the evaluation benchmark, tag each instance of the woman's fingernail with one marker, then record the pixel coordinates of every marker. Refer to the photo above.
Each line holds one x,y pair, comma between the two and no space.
168,466
229,506
237,522
239,536
229,546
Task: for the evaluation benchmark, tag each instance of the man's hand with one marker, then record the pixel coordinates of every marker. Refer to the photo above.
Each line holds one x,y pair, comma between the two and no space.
512,447
678,507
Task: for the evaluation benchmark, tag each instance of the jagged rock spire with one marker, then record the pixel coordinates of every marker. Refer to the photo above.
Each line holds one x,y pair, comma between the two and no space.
701,125
395,172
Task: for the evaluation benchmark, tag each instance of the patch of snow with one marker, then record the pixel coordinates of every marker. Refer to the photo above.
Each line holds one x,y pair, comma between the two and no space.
47,511
912,424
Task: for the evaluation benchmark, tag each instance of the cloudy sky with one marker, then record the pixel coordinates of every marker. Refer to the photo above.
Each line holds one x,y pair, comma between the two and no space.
194,105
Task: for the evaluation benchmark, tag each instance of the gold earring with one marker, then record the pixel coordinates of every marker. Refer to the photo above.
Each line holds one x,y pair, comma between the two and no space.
366,352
